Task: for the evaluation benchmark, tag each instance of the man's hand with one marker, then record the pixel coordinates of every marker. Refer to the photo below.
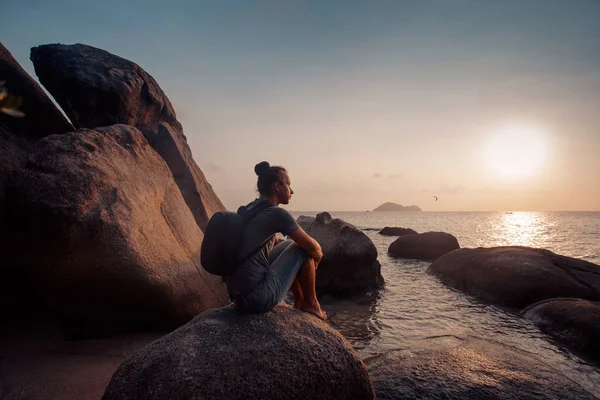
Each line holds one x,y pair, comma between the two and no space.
317,255
310,245
277,240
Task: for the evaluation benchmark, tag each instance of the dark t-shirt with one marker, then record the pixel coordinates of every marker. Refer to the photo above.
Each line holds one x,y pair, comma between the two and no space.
258,229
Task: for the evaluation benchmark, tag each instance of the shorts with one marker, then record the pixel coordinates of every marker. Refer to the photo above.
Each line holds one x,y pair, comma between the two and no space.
285,261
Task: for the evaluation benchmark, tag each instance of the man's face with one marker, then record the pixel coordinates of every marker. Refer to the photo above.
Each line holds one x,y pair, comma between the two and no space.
284,190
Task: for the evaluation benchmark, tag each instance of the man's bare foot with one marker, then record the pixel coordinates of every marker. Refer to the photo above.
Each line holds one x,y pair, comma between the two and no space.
314,310
298,304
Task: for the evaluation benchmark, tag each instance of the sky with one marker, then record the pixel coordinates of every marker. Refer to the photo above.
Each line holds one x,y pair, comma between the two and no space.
488,105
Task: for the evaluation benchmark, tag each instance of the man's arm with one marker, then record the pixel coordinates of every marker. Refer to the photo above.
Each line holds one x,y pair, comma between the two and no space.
307,243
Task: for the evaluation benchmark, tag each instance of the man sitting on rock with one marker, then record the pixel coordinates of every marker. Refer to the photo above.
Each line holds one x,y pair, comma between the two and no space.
262,280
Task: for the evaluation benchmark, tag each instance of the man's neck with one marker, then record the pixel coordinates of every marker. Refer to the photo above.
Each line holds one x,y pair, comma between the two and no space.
271,199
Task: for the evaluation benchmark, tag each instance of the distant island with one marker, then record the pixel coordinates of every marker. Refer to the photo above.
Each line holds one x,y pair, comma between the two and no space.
396,207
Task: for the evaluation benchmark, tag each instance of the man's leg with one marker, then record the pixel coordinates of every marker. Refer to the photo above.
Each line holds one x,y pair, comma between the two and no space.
307,278
298,295
295,270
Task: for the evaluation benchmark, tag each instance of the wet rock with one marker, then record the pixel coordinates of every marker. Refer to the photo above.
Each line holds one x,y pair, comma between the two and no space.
423,246
517,276
392,231
101,226
97,88
349,263
573,322
42,117
227,354
473,369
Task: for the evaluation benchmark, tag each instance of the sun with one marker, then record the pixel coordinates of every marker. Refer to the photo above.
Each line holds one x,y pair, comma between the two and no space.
516,151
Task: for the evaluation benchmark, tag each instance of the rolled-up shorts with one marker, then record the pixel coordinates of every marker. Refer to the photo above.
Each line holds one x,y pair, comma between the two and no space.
285,261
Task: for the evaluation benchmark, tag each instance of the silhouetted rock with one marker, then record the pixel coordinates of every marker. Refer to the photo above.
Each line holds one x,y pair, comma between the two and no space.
472,369
97,88
389,231
228,354
13,156
574,322
40,365
98,221
15,290
396,207
517,276
42,117
423,246
349,263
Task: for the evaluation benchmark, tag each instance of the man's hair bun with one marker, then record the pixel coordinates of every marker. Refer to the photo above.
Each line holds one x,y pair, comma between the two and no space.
261,168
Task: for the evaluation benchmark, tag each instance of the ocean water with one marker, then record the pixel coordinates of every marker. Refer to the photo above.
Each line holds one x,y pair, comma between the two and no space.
415,306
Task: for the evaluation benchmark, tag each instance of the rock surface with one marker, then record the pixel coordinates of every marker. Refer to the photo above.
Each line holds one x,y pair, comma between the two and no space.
396,207
42,117
102,228
227,354
423,246
517,276
97,88
473,369
574,322
349,263
394,231
41,365
15,295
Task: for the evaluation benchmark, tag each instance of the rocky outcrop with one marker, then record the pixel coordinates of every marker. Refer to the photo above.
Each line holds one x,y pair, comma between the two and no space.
100,224
13,156
42,117
472,369
396,207
227,354
40,366
97,88
15,296
423,246
349,263
574,322
393,231
517,276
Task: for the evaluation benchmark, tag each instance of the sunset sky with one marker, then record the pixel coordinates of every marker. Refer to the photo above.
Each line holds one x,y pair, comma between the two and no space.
489,105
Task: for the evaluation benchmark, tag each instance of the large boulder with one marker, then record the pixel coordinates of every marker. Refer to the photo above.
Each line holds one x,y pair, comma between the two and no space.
574,322
471,369
516,276
97,88
423,246
101,226
228,354
14,291
13,156
395,231
349,263
42,117
39,365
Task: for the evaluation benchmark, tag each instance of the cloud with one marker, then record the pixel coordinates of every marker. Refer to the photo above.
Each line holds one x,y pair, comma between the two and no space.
456,189
396,176
213,167
377,175
424,190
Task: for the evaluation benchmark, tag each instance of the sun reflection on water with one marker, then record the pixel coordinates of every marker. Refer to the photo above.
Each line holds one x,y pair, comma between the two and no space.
522,229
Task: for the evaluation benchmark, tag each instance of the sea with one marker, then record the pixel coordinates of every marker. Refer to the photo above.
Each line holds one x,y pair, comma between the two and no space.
415,306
